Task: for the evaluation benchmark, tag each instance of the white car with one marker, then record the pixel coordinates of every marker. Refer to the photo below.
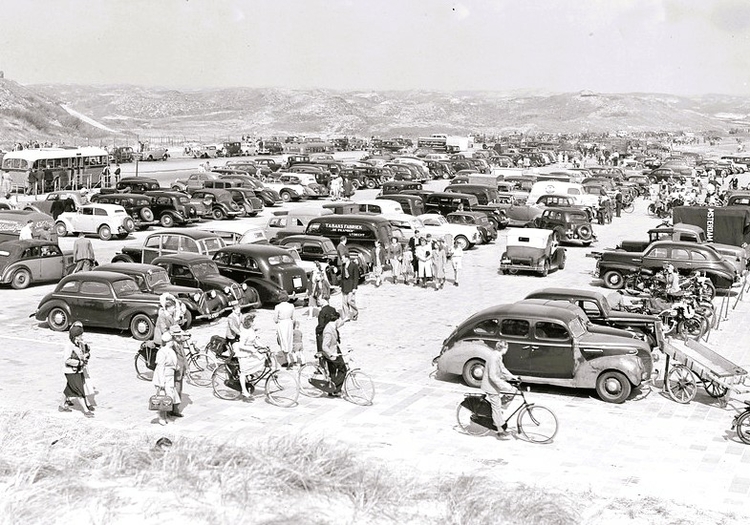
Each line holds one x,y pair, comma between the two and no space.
379,206
467,235
104,220
291,190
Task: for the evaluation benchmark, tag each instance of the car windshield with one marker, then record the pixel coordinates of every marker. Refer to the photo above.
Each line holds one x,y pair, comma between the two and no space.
125,287
157,277
275,260
578,216
212,245
204,269
576,328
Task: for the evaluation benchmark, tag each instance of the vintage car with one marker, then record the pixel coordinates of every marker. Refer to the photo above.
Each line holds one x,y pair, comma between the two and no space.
249,204
137,185
320,174
314,189
607,311
200,271
58,202
568,225
290,189
219,203
548,343
379,206
35,261
292,222
238,233
155,153
411,204
204,151
171,242
155,280
474,218
231,149
361,231
12,221
564,201
613,265
137,206
466,235
195,181
122,154
532,249
174,207
105,220
311,248
397,186
269,270
100,299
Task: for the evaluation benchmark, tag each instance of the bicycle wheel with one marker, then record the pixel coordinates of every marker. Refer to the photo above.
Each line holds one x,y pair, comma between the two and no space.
628,208
141,368
306,373
200,368
537,423
359,388
469,425
225,387
282,388
743,428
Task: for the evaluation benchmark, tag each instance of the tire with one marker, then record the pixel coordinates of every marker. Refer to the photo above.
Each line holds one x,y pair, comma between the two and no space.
121,257
122,236
371,184
200,368
282,389
218,214
708,290
467,425
285,196
307,372
142,371
743,428
651,209
58,319
21,279
693,328
538,424
150,157
105,233
358,388
714,390
129,225
356,184
141,327
473,372
585,233
166,220
61,229
613,387
463,242
545,269
628,208
681,384
613,279
165,157
219,382
146,214
557,236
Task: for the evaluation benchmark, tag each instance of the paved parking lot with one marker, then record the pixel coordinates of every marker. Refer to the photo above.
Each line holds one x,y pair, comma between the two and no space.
648,446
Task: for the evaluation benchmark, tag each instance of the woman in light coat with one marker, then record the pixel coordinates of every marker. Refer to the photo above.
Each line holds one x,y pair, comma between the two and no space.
167,365
438,263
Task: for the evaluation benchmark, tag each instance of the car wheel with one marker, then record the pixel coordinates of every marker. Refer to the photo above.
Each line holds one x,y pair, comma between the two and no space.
613,279
463,242
122,236
545,268
562,262
613,387
141,327
146,214
166,220
371,184
218,214
58,319
473,372
165,157
557,236
61,229
105,233
129,225
21,279
285,196
122,258
150,157
176,188
584,232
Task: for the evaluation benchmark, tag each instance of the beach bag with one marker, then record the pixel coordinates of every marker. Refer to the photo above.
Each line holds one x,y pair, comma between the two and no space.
160,401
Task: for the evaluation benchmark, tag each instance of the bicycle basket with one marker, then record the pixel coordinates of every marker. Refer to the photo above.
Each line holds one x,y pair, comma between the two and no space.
216,344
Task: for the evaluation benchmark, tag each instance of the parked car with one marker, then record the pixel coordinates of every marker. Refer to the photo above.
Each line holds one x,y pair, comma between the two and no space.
58,202
474,218
248,203
195,181
122,154
292,222
393,187
155,280
290,189
567,225
200,271
100,299
219,203
105,220
269,270
171,242
34,261
231,149
379,206
547,344
155,153
361,231
532,249
174,207
411,204
313,189
564,201
137,185
467,235
313,248
137,206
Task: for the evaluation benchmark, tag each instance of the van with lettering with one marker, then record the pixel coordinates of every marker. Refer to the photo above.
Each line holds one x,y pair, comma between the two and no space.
361,232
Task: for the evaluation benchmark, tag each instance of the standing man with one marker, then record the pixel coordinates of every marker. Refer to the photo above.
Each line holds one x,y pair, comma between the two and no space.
495,385
378,261
27,232
395,254
105,181
618,202
117,172
83,254
349,284
283,316
343,252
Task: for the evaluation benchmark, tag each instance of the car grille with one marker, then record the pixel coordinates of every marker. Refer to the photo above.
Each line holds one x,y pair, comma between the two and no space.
236,291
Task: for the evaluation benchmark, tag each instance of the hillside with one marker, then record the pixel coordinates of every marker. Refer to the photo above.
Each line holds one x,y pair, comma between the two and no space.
230,112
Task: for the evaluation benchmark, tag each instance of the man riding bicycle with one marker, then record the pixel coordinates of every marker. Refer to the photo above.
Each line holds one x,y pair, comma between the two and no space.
331,357
495,385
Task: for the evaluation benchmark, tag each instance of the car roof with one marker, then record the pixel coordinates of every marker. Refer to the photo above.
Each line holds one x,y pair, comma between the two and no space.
528,309
568,293
303,237
536,233
16,245
254,249
195,234
187,257
97,276
126,266
105,206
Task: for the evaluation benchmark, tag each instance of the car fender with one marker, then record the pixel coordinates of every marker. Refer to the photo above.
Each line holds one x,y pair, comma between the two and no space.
66,221
452,360
45,306
266,289
11,269
126,314
631,366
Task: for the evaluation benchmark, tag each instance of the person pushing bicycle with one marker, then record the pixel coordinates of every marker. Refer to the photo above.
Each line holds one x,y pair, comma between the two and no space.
331,356
249,353
495,384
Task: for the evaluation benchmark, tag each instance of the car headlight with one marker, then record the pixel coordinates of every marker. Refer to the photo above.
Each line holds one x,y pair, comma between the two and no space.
196,297
226,289
244,286
212,293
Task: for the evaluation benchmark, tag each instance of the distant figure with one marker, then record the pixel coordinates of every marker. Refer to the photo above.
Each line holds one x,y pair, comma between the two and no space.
27,232
83,254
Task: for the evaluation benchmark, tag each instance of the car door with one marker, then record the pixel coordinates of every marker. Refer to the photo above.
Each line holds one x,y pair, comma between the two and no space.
94,304
517,332
151,249
680,258
31,259
551,352
655,258
51,263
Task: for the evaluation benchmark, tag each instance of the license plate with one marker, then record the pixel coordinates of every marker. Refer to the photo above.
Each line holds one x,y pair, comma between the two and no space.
297,281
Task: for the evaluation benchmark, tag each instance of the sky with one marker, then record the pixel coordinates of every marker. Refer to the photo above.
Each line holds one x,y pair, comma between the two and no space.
682,47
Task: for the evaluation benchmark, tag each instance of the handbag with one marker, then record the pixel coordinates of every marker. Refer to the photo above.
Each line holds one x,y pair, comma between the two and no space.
281,358
161,402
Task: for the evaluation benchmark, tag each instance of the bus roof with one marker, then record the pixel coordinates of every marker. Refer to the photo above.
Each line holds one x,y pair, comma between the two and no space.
34,154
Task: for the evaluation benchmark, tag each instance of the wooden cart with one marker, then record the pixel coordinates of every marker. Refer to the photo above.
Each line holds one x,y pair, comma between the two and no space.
694,363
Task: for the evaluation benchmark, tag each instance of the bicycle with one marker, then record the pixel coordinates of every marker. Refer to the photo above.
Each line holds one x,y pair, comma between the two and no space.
538,424
357,387
200,363
741,424
281,387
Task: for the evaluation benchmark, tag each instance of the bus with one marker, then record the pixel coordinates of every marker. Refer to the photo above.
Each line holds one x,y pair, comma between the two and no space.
41,170
435,142
307,148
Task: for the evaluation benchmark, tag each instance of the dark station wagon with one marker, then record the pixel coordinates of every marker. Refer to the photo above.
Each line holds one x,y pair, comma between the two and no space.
169,242
567,225
174,207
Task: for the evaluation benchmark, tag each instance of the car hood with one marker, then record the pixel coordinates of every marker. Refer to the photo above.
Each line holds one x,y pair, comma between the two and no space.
611,344
176,289
217,282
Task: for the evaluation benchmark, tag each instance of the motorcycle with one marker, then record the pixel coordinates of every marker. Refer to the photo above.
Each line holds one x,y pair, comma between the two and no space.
645,282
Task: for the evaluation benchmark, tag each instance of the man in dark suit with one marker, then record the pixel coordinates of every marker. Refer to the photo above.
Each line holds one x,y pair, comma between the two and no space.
349,282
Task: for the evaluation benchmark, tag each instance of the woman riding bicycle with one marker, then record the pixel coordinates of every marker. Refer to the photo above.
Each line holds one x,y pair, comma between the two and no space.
249,353
495,385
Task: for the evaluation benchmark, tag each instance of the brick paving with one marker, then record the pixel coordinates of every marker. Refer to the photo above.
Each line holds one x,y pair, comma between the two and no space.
649,446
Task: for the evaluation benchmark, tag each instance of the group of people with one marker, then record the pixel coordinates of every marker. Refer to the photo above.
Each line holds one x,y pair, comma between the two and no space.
340,187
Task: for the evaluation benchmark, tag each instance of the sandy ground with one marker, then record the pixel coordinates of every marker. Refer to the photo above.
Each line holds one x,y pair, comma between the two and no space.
648,446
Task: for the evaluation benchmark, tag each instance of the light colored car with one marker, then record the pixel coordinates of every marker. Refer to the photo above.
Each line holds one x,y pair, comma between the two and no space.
290,189
380,206
312,188
105,220
467,235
